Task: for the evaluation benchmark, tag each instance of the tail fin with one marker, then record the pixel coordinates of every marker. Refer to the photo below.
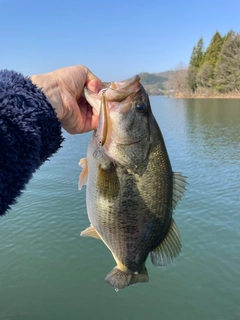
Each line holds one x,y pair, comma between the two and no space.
121,279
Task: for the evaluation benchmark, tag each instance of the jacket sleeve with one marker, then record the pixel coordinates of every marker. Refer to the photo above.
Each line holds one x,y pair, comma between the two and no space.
29,134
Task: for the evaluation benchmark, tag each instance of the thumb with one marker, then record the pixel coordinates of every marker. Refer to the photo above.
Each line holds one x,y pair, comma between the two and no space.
93,83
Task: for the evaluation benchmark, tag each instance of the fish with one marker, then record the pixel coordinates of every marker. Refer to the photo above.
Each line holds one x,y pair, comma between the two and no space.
131,190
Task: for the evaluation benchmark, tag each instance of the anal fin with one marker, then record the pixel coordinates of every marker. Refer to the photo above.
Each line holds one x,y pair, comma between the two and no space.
90,232
168,249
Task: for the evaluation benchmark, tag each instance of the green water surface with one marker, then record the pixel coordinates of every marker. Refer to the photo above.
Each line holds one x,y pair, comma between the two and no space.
47,271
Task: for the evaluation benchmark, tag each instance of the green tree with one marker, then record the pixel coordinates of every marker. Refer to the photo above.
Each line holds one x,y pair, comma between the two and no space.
205,76
196,59
228,35
213,50
227,76
192,78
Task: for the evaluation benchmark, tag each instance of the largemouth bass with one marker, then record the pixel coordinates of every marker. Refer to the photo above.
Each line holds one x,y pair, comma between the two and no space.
131,188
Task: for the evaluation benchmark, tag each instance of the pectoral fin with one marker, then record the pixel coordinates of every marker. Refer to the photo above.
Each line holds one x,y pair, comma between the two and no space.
168,249
84,174
108,183
90,232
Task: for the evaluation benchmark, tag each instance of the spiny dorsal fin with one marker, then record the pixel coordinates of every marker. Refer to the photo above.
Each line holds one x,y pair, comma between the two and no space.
90,232
84,174
179,187
169,249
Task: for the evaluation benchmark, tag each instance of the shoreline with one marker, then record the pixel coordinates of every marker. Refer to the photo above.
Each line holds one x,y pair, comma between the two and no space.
207,96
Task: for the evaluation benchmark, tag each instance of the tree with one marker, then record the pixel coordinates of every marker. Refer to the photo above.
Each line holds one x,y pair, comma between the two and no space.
196,59
213,50
227,76
177,78
192,78
205,76
228,35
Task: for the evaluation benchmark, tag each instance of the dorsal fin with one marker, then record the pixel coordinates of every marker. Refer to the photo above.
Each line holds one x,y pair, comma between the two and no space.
179,187
84,174
168,249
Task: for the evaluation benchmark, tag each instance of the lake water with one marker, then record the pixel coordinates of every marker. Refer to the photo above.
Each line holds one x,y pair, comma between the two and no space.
47,271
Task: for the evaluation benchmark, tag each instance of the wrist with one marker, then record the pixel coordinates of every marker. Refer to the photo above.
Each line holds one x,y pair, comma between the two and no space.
49,86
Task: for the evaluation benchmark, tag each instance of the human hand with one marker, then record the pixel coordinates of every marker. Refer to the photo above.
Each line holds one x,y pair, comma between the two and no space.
64,90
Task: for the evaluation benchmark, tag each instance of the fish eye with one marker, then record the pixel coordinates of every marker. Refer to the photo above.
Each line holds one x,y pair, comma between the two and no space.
141,108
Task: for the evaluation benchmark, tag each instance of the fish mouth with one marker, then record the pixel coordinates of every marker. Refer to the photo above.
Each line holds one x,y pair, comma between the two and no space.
113,91
116,97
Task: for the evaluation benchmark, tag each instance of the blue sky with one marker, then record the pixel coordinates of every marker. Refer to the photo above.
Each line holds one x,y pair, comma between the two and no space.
115,39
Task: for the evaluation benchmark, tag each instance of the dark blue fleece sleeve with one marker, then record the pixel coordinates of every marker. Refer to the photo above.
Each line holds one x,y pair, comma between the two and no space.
29,134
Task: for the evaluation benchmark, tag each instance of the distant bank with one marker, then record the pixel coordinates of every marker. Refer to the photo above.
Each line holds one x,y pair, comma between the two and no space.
155,83
181,95
213,72
162,84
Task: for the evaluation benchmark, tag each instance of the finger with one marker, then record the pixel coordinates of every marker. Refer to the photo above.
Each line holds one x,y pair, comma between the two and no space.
93,83
72,121
82,119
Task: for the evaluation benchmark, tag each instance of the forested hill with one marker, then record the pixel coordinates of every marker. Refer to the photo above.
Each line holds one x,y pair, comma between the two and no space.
154,83
215,69
212,72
